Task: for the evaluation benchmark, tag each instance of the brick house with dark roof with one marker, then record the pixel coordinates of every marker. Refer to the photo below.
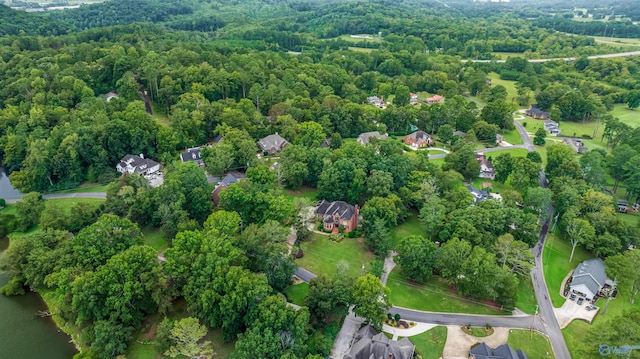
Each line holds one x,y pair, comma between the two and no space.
418,139
536,112
272,144
336,214
227,181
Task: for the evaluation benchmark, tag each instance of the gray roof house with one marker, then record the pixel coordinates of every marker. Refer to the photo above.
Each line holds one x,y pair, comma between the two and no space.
589,278
192,154
478,195
505,351
370,344
272,144
338,213
227,181
363,139
137,164
552,127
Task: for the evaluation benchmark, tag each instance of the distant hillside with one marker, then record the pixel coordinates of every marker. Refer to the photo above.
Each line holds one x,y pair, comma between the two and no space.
16,22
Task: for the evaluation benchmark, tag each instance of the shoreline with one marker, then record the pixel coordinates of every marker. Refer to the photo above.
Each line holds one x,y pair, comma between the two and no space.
57,320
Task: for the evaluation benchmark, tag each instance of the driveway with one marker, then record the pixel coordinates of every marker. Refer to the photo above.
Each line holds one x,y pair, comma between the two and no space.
570,311
458,342
342,344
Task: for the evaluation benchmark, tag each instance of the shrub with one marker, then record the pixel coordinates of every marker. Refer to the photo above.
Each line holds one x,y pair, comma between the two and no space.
331,331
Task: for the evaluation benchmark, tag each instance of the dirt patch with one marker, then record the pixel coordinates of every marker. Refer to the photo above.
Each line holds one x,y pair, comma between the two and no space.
150,334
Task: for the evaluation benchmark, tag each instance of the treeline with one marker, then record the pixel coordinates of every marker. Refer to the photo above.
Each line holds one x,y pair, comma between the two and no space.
624,29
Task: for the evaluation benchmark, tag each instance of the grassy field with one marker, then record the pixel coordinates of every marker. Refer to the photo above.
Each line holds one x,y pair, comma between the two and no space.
617,41
437,161
557,265
430,344
513,137
536,345
66,203
512,93
505,55
411,226
303,192
526,296
297,293
86,187
160,116
515,152
155,238
321,255
630,117
371,38
435,296
360,49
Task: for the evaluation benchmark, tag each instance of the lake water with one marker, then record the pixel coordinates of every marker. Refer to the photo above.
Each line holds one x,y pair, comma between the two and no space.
6,189
23,335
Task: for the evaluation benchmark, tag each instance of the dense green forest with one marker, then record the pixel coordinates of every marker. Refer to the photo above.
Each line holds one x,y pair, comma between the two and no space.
245,70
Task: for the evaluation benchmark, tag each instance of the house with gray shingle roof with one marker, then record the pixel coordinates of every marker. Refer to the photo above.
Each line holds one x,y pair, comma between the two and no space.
336,214
370,344
226,182
505,351
272,144
192,154
364,138
589,279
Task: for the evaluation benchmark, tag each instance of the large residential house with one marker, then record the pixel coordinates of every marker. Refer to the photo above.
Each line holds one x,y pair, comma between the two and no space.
272,144
193,155
369,344
535,112
226,182
363,139
336,214
590,280
376,101
486,167
552,127
481,195
413,99
505,351
418,139
434,99
130,164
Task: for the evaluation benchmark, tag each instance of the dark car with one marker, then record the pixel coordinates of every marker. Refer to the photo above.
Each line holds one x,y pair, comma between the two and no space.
573,296
580,301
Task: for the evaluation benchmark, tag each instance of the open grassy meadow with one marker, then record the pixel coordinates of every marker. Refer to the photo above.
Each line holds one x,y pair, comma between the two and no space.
435,295
321,256
626,115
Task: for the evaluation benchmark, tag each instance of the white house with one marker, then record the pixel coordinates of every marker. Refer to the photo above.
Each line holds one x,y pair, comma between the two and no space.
137,164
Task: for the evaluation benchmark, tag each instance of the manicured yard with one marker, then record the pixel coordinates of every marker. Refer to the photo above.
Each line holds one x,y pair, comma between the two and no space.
309,193
297,293
321,256
630,117
155,238
435,296
526,296
86,187
496,186
430,344
515,152
438,162
411,226
512,92
66,203
557,265
536,345
512,136
436,152
578,129
574,335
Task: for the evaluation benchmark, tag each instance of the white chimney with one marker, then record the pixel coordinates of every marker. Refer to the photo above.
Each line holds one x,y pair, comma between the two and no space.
141,156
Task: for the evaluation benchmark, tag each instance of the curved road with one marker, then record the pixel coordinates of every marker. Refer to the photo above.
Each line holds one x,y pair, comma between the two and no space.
605,56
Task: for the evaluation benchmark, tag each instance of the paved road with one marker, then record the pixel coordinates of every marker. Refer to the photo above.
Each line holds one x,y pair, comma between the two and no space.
523,322
525,136
98,195
605,56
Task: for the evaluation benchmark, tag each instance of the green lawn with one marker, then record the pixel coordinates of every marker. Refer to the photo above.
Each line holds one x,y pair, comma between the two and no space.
309,193
512,93
526,296
630,117
155,238
574,334
497,187
557,265
435,296
8,209
435,152
578,129
430,344
297,293
513,137
411,226
515,152
373,38
160,116
438,162
86,187
66,203
360,49
505,55
321,255
536,345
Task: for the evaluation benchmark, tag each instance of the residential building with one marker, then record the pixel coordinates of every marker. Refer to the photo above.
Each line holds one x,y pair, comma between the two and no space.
217,139
272,144
622,206
369,344
505,351
363,139
418,139
479,196
226,182
459,134
535,112
192,154
434,99
326,143
590,280
137,164
576,144
336,214
413,99
486,167
552,127
376,101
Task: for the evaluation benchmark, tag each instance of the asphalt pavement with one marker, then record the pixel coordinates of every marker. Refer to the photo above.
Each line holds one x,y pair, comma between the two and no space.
98,195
